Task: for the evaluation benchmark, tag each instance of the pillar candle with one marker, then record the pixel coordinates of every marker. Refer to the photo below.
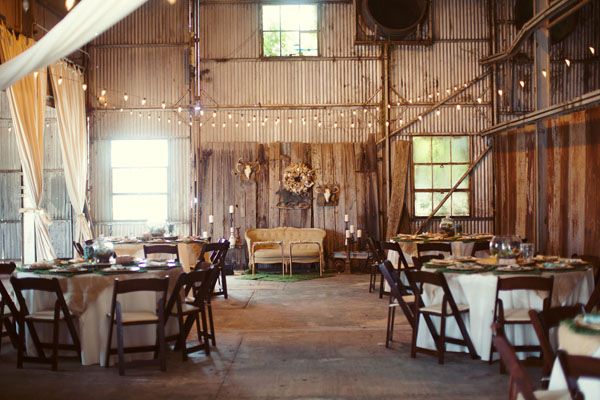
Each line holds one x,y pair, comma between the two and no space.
204,234
351,228
359,233
346,219
231,209
347,233
211,219
231,229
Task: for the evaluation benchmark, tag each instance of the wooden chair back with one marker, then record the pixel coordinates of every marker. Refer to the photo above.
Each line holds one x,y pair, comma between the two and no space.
519,378
397,289
545,320
537,283
575,367
418,279
217,252
6,270
418,262
480,246
594,301
176,295
78,248
440,247
161,249
375,249
41,285
394,246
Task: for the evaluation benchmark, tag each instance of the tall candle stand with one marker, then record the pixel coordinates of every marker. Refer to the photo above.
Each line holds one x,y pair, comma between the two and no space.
350,241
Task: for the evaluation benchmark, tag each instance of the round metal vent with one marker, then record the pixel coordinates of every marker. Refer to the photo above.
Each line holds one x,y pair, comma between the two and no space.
394,18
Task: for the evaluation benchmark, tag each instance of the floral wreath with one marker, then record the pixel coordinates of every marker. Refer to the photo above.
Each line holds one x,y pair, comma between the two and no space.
298,178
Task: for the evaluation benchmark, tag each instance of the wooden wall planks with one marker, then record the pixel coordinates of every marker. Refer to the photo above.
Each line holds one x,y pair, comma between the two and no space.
572,184
351,165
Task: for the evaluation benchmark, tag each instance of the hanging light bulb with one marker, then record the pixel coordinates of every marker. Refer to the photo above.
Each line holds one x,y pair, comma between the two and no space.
84,87
387,123
169,120
179,122
69,4
214,114
335,125
352,125
353,112
455,88
319,124
163,105
125,97
522,83
266,118
144,101
254,118
420,117
365,110
479,100
544,73
500,92
342,114
103,92
120,110
437,113
410,101
458,107
241,117
592,50
229,115
179,109
568,62
59,80
418,99
289,120
140,114
303,121
9,129
397,104
277,121
158,118
224,125
401,121
131,112
437,93
237,124
200,124
247,124
201,113
213,124
315,117
149,115
370,124
262,123
430,96
448,91
190,123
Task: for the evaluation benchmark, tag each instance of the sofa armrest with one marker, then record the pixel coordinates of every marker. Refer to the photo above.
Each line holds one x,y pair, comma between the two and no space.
267,243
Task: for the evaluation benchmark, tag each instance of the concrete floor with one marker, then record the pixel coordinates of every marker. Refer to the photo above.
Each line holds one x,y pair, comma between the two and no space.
318,339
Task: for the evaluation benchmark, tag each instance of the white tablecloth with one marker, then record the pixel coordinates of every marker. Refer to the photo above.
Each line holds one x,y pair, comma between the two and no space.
588,386
479,292
89,297
188,252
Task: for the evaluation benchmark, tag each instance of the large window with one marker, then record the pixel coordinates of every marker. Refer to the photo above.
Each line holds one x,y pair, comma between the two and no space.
290,30
139,179
439,162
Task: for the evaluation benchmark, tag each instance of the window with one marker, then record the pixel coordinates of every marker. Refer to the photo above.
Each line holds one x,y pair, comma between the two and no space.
290,30
439,162
139,179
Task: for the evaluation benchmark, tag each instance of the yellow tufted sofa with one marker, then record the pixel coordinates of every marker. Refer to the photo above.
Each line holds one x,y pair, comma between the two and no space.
286,246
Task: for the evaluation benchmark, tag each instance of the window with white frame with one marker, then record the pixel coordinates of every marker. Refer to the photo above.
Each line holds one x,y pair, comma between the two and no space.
439,162
290,30
139,180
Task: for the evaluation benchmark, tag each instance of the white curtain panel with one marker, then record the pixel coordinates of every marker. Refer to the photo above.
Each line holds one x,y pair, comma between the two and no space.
27,103
82,24
69,100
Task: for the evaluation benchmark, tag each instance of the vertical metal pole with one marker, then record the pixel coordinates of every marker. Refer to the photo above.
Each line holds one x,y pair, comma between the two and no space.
384,123
542,96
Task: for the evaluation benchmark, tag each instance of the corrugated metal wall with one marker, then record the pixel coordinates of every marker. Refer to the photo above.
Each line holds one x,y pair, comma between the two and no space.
146,56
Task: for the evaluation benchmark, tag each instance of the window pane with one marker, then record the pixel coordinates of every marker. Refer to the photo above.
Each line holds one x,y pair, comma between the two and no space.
270,18
307,15
423,204
290,43
289,18
309,44
440,149
422,149
271,44
460,149
139,153
460,203
457,172
441,177
445,210
140,207
139,180
422,177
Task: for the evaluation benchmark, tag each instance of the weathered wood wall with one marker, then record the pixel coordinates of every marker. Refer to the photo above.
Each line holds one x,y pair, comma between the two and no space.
351,165
570,191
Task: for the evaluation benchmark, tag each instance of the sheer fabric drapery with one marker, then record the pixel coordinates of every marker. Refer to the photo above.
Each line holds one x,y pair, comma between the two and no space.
69,100
27,103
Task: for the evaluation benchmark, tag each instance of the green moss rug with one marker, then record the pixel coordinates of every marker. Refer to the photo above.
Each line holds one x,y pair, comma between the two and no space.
277,277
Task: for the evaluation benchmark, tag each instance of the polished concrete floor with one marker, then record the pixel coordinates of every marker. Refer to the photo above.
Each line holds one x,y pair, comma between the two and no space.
318,339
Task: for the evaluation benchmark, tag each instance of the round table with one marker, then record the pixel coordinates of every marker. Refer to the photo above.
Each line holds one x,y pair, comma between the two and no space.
576,343
89,296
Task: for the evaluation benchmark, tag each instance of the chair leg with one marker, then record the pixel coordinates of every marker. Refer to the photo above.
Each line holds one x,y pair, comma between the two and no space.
390,326
182,337
205,330
120,344
162,345
211,323
109,342
21,348
224,283
55,331
442,340
413,344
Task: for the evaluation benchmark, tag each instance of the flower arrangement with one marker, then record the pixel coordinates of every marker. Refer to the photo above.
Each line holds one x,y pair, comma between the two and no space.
298,178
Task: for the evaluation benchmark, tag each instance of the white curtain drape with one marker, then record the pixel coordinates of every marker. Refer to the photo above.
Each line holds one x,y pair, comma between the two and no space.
27,103
83,23
69,100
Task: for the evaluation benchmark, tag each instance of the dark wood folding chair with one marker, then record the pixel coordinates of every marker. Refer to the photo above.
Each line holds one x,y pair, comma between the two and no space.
377,257
188,313
120,319
78,248
575,367
386,247
521,385
594,261
519,316
59,313
161,249
542,322
425,249
418,262
447,308
594,301
203,298
8,309
217,253
480,246
399,297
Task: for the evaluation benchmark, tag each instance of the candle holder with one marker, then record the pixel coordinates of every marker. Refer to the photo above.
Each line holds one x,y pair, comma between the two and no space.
350,241
212,231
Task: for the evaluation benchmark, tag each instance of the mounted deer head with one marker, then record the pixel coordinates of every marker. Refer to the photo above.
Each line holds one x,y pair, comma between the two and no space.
245,169
327,194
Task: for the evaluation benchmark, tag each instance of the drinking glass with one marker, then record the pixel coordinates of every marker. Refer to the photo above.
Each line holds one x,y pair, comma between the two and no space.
527,251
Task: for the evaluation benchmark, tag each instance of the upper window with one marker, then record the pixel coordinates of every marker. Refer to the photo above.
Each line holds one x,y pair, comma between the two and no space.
290,30
139,180
439,162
